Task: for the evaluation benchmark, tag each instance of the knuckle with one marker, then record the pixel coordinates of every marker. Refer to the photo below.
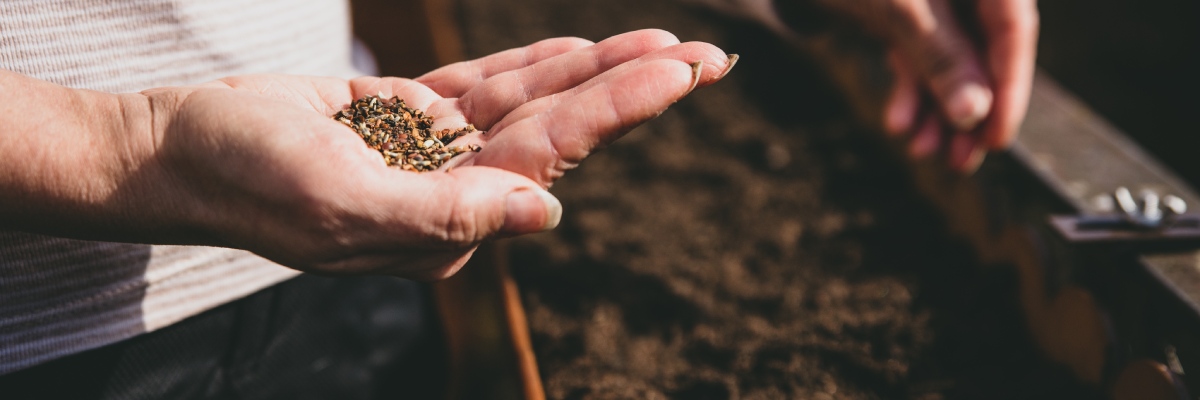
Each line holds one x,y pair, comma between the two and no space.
456,225
458,229
701,51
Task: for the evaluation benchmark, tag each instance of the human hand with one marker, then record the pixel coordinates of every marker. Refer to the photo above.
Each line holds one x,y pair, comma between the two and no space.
255,162
967,92
963,71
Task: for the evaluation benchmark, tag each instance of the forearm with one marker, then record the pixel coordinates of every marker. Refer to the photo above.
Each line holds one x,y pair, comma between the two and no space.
68,157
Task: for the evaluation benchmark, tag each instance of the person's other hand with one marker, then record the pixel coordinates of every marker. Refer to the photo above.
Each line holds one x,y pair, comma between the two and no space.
963,70
962,78
255,162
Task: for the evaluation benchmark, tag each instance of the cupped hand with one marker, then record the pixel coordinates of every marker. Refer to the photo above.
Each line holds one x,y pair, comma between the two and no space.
255,162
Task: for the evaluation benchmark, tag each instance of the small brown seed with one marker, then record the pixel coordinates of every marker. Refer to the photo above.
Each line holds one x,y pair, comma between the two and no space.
402,135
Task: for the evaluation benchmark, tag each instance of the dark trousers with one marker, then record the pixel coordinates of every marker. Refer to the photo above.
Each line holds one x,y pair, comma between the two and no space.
308,338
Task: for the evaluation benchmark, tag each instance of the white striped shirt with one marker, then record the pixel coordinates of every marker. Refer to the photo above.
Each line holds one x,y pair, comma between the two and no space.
60,296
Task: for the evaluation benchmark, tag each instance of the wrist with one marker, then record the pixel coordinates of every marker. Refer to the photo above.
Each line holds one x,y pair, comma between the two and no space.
79,163
150,201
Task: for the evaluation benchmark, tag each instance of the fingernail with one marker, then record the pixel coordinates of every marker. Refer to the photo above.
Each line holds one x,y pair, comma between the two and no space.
733,59
968,105
696,68
530,210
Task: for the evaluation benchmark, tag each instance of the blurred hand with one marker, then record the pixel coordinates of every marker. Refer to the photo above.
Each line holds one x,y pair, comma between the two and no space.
255,162
963,76
963,70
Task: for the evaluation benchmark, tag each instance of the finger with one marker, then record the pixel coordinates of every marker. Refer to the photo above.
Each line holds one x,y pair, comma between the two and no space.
901,109
433,218
715,65
942,54
455,79
414,94
1010,30
965,153
469,204
927,137
544,146
488,102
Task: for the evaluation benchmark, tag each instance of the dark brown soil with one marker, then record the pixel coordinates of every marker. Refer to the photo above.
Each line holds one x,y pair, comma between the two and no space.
751,243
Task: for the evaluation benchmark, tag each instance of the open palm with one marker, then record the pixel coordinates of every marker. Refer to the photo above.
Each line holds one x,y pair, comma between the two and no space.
255,162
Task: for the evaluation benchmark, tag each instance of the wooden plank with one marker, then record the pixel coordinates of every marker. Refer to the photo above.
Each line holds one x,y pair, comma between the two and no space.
1083,157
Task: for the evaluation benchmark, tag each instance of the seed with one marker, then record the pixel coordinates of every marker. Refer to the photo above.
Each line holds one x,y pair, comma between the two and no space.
402,135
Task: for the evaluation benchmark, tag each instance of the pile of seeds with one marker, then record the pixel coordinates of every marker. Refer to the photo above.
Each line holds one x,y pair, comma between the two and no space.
403,135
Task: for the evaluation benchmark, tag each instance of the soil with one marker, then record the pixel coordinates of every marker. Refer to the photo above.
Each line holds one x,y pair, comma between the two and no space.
753,243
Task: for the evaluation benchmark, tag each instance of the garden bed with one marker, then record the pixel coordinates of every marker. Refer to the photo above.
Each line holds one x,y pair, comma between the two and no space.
752,243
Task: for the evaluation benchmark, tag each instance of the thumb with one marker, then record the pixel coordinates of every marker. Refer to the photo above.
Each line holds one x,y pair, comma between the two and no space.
945,57
463,206
426,226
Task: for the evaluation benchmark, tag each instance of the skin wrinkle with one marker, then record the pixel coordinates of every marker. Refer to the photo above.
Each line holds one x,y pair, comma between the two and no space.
523,89
295,93
316,102
553,100
468,109
553,171
158,121
451,224
457,224
594,122
330,97
202,219
127,135
611,103
479,71
526,57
